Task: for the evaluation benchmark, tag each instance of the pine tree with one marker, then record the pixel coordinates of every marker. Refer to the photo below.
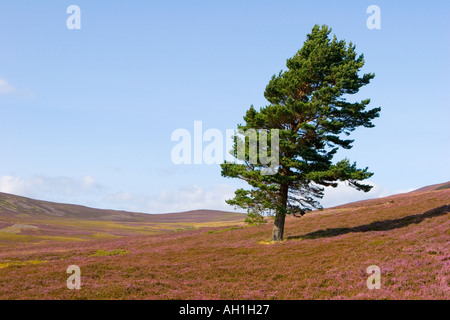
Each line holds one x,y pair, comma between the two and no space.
314,119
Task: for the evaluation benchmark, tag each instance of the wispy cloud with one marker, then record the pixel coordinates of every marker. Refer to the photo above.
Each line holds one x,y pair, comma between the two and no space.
14,185
344,194
181,199
5,87
87,191
50,188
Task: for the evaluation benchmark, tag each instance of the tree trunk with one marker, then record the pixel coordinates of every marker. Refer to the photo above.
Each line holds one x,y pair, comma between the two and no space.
278,225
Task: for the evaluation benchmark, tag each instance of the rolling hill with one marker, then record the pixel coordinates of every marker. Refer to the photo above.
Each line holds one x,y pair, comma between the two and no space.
29,221
325,255
440,186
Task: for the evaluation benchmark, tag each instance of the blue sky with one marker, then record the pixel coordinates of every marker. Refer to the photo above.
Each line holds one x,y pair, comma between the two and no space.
87,115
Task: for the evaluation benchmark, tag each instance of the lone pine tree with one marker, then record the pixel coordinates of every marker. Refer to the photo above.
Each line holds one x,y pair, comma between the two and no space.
309,108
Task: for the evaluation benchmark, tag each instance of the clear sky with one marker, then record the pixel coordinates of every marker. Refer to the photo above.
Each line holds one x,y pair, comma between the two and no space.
87,115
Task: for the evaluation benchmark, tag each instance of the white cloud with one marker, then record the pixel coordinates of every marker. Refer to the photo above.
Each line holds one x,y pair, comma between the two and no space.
344,194
14,185
120,197
182,199
61,189
87,191
89,182
5,87
195,197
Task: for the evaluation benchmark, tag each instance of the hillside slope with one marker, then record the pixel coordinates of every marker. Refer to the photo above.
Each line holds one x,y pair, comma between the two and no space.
29,221
325,256
440,186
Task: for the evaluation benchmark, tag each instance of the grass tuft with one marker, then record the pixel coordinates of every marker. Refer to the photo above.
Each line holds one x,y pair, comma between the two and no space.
223,230
19,263
103,253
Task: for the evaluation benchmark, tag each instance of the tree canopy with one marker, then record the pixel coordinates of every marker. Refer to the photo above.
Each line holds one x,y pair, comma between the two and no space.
313,118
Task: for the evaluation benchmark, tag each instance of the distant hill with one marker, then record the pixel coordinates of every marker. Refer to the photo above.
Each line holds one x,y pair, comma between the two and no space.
18,206
434,187
25,220
440,186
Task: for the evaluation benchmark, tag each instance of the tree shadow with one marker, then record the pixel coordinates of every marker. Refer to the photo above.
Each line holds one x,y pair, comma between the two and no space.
384,225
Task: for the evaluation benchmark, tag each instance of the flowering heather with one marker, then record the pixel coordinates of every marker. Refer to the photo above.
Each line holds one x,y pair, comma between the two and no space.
325,256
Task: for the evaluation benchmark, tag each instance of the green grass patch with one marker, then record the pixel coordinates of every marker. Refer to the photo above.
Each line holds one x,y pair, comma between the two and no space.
103,253
223,230
185,229
7,204
103,236
270,242
378,242
6,264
